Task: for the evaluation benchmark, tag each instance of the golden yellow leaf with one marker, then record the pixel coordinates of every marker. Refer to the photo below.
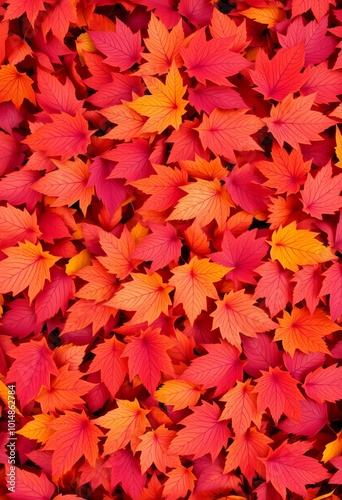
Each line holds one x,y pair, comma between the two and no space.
165,105
338,148
271,15
294,247
333,449
179,393
78,262
37,428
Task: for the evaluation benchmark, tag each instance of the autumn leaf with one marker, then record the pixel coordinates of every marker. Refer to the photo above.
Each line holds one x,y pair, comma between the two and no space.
37,429
320,195
118,251
125,422
31,486
194,283
75,435
246,451
147,357
303,331
154,449
203,433
333,449
288,467
15,86
236,314
146,294
66,136
281,76
324,384
179,393
224,131
205,201
308,286
294,122
294,247
27,265
278,391
165,106
332,285
180,481
274,285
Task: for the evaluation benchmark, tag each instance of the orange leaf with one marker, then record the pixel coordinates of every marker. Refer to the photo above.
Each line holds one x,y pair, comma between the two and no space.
180,481
146,294
154,446
303,331
75,435
118,252
165,105
37,429
15,86
126,422
27,265
178,393
205,201
236,314
194,283
241,407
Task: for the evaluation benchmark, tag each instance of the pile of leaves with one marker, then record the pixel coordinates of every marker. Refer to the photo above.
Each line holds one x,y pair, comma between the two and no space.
171,243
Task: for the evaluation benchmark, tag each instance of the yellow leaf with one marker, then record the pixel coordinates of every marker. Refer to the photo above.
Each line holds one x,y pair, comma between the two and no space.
338,148
4,395
179,393
268,15
165,105
84,43
78,262
333,449
294,247
139,232
37,429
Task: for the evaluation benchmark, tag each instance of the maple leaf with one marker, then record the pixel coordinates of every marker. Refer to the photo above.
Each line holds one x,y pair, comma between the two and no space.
122,48
31,369
161,246
281,76
220,368
242,253
165,106
154,447
146,294
208,97
313,419
287,172
129,123
337,477
75,435
205,201
15,86
274,285
37,429
55,97
324,384
270,15
163,47
29,485
164,186
133,160
68,183
287,467
294,247
241,407
278,391
118,251
64,391
125,468
246,451
27,265
17,8
66,136
180,481
303,331
126,422
293,121
320,195
101,285
203,433
147,357
224,131
179,393
194,283
109,362
17,225
261,353
211,60
308,285
319,7
332,285
87,312
324,81
236,314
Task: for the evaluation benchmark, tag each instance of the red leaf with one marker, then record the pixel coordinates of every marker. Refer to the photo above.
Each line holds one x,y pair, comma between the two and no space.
324,384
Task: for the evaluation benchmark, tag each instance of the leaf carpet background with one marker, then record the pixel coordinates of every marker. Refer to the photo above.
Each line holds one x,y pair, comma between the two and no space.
170,248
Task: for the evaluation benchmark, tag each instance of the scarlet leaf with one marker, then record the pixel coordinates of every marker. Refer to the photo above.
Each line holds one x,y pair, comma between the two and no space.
324,384
154,449
274,285
332,285
147,357
31,486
